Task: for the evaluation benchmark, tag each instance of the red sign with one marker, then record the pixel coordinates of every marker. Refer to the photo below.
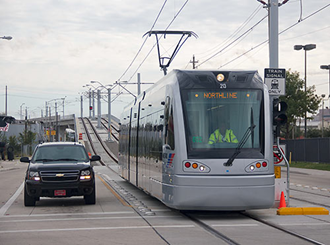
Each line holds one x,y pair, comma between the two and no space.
60,193
5,129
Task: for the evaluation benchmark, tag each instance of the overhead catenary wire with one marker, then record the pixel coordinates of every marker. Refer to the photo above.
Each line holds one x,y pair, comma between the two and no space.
231,43
139,66
168,26
238,30
145,40
266,41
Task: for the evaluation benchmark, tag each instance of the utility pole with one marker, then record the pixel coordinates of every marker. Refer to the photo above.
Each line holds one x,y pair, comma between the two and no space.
6,103
98,108
139,83
90,103
194,62
81,107
273,33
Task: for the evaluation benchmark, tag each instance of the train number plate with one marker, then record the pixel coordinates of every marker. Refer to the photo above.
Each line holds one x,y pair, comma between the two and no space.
60,193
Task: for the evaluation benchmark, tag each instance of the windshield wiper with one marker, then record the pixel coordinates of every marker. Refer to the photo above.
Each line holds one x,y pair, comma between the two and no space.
246,136
249,131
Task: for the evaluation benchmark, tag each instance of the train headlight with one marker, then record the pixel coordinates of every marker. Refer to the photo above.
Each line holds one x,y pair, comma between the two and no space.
202,168
252,167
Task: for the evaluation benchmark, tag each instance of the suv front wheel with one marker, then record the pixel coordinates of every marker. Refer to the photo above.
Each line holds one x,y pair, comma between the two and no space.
28,200
90,199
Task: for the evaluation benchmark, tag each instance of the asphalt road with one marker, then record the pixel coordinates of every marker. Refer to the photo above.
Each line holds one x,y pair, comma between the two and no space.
125,215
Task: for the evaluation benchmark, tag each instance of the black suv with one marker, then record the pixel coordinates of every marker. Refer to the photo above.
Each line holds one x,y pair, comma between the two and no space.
60,169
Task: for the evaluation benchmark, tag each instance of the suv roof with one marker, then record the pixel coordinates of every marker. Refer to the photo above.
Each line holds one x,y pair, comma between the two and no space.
60,143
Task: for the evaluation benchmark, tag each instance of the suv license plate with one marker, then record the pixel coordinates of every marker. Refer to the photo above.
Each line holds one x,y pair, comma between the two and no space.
60,193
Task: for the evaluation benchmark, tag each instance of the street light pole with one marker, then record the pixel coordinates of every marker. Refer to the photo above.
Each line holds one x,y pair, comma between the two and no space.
327,67
20,111
99,108
6,102
109,114
306,48
323,95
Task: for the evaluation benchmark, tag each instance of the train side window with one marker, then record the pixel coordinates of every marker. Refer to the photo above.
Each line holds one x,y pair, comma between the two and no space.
169,126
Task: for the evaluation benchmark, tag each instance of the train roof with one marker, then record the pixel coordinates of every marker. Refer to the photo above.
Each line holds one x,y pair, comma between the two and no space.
208,79
213,78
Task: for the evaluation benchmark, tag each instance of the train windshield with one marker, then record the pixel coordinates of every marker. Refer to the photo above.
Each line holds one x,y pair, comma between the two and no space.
217,121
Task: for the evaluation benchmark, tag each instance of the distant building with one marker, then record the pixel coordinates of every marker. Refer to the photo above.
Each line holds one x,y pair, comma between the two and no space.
317,119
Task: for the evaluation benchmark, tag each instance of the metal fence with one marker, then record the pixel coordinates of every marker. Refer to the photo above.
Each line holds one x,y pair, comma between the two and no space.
308,150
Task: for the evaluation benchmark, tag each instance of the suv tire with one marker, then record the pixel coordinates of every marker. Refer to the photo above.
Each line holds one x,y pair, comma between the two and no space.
28,200
90,199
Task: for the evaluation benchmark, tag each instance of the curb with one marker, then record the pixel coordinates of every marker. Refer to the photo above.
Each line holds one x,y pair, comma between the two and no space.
303,211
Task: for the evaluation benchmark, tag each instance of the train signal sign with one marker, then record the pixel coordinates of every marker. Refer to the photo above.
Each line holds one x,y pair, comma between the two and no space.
91,107
275,80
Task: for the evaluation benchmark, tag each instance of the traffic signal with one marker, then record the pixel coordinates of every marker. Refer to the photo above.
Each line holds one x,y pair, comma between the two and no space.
91,107
279,108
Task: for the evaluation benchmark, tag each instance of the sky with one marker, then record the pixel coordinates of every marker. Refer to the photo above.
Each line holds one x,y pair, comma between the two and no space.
59,46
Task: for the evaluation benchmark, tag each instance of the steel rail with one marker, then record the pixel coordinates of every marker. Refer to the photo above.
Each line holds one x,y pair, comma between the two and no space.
282,229
90,139
210,229
114,158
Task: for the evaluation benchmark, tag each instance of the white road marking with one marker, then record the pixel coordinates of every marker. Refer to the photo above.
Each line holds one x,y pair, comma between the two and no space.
82,219
301,224
5,207
97,228
67,214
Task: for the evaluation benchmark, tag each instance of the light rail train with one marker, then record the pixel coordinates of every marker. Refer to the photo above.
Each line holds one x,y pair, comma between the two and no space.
167,148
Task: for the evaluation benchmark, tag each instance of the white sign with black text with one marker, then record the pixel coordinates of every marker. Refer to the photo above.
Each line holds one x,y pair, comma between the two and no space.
275,80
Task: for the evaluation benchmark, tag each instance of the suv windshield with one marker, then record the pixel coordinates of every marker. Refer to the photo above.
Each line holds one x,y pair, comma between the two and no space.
216,122
52,153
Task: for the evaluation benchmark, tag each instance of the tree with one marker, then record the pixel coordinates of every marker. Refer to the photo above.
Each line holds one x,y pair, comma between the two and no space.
297,100
13,142
27,138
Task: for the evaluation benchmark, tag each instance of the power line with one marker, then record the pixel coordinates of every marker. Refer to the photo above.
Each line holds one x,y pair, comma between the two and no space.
175,16
237,30
266,41
231,43
145,40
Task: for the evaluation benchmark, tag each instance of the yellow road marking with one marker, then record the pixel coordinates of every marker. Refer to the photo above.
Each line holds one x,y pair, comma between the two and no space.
114,192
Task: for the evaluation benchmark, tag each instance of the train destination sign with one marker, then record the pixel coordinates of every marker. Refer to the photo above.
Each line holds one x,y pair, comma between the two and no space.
275,80
220,95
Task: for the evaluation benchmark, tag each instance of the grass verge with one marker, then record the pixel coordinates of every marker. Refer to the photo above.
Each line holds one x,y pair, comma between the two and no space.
311,165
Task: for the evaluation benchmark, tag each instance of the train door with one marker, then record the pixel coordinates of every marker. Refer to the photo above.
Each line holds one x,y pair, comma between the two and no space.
168,137
129,147
137,145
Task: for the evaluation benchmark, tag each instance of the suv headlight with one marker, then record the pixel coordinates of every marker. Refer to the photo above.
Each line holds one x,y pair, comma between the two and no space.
34,176
85,175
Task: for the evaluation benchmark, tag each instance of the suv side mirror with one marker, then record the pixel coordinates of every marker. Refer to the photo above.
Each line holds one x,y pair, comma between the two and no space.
25,159
95,158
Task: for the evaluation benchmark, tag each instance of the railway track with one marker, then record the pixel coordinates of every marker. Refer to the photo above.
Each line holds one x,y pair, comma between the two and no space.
232,240
207,226
325,198
104,123
85,121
